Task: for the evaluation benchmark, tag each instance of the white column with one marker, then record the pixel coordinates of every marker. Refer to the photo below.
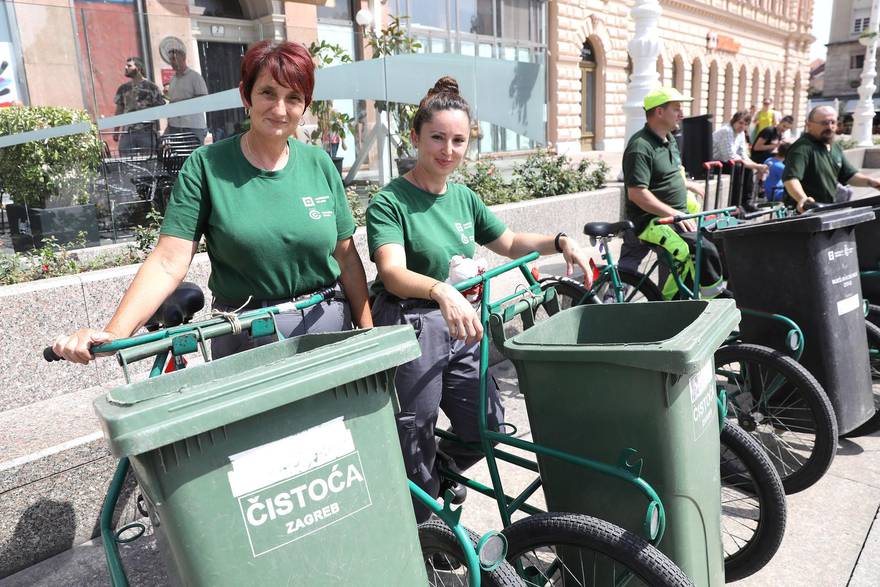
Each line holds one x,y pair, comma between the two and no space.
644,48
863,117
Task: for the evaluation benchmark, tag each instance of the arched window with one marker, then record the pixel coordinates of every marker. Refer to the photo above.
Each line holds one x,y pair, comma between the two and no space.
697,87
767,82
756,88
588,97
743,84
678,73
779,93
712,105
728,92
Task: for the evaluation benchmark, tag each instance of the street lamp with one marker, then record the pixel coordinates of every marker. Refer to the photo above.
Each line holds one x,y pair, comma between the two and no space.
863,117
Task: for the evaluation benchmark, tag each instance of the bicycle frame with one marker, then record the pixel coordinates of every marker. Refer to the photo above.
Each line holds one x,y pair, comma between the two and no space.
493,316
187,338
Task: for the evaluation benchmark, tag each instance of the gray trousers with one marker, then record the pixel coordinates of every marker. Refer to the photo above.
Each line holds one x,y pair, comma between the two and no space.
446,376
330,316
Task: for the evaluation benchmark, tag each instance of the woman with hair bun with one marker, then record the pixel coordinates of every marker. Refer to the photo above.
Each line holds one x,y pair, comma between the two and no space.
273,213
418,226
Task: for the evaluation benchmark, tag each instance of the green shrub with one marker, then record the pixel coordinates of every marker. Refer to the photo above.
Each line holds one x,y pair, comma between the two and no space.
485,179
546,174
56,171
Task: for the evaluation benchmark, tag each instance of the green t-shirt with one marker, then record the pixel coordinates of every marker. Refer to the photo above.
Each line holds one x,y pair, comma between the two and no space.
652,163
270,234
818,168
431,228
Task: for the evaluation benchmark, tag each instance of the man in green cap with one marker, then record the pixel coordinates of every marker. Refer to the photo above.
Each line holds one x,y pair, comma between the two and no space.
656,185
814,164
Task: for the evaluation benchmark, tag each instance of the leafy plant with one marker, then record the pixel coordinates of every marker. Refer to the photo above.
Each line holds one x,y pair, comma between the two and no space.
488,183
394,40
329,121
55,171
546,174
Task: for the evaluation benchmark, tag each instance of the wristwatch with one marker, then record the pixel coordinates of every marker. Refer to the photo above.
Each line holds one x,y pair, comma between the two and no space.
556,241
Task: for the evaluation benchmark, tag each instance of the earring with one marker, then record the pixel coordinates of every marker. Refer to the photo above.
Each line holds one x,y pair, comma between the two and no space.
302,121
247,111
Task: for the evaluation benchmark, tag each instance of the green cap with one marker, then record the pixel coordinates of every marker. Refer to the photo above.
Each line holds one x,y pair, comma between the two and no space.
661,96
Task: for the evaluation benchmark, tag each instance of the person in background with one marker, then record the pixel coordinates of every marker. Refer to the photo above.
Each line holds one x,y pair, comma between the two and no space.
770,138
815,165
774,191
274,216
765,117
186,83
729,144
137,94
420,227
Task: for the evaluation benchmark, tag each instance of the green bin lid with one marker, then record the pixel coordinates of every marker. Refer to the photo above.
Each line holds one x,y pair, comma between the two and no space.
149,414
670,337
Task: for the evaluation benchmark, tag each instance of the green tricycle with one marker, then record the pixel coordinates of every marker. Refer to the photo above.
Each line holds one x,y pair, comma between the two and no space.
308,420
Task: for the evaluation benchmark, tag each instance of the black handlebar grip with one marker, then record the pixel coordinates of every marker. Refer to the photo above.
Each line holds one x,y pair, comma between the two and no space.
812,206
50,355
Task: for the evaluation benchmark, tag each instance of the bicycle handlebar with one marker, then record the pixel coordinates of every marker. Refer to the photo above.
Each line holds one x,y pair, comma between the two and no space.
708,214
246,319
759,213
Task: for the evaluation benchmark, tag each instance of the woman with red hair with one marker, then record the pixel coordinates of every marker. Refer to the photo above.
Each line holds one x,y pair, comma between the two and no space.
273,213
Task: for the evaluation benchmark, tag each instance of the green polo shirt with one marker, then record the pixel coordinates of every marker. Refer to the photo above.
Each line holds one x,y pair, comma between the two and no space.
270,234
653,163
431,228
818,168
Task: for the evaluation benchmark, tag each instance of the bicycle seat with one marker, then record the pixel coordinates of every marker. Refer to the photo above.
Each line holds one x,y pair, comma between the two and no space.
179,307
600,229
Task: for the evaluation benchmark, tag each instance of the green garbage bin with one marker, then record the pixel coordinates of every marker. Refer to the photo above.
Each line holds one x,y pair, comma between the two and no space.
277,466
598,379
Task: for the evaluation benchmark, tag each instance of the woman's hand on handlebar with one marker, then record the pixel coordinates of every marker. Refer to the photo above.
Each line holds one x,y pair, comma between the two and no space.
77,348
461,317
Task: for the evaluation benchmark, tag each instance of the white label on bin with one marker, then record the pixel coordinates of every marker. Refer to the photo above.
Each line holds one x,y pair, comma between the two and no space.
848,304
290,456
304,504
703,401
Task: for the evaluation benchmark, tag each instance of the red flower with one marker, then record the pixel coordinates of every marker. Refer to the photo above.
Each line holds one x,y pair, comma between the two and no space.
45,268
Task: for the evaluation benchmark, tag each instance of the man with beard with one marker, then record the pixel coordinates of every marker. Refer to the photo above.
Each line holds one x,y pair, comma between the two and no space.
815,165
137,94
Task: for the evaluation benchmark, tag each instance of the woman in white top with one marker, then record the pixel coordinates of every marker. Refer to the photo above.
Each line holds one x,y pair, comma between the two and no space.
729,144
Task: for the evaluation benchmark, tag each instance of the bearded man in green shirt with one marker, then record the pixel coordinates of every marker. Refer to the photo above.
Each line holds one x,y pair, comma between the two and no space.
814,164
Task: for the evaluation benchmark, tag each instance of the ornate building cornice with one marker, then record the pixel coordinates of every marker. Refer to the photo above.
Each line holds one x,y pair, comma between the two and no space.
736,21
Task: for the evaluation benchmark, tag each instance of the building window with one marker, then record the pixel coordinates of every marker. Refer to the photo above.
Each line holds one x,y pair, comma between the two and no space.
476,17
338,10
588,97
856,61
861,24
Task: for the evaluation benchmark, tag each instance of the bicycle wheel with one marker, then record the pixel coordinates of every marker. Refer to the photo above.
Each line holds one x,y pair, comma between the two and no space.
445,561
782,406
569,291
637,287
752,504
873,424
575,549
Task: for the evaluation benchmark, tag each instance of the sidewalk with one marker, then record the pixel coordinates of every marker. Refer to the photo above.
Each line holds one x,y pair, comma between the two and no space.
832,538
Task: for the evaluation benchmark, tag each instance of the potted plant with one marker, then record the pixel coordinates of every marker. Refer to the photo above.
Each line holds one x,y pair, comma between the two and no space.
49,181
394,40
332,126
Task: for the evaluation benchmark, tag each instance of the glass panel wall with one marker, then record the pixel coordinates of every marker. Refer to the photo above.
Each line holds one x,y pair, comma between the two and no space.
115,101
